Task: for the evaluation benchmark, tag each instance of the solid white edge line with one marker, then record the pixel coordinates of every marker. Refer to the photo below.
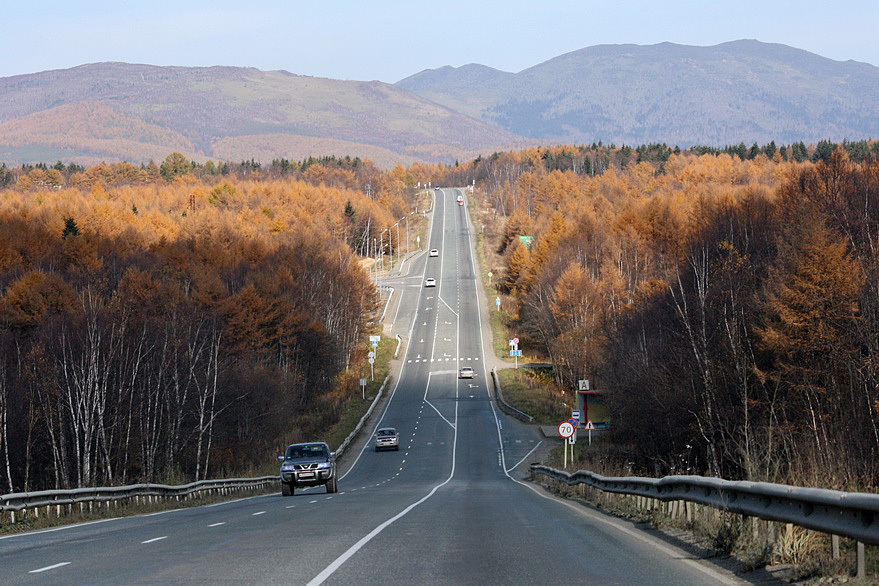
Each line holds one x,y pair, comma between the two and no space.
47,568
636,534
672,552
516,465
329,570
337,563
393,393
424,398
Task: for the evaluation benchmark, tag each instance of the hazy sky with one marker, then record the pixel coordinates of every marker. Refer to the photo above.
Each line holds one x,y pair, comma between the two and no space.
388,40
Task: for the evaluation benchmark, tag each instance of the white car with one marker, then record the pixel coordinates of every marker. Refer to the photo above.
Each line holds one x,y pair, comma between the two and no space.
466,372
434,252
431,282
387,438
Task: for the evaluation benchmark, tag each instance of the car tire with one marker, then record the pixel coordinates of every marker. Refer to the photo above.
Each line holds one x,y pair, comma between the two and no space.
333,485
287,489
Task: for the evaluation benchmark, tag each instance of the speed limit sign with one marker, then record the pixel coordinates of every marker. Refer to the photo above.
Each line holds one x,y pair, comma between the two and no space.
566,429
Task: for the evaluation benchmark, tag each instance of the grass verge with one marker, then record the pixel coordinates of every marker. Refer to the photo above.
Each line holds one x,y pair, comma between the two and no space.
532,391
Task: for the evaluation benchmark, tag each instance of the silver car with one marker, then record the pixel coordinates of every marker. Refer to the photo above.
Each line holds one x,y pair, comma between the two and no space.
387,438
466,372
430,282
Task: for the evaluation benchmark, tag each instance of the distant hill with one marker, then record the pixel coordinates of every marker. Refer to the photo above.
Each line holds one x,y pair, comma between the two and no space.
112,111
742,91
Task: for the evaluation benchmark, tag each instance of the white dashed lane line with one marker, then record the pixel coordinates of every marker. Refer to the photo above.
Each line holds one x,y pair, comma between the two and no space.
154,539
47,568
259,513
216,524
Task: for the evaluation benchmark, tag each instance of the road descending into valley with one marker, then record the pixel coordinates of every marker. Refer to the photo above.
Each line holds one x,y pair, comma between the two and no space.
447,508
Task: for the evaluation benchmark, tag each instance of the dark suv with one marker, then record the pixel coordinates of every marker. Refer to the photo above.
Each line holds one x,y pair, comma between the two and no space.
310,464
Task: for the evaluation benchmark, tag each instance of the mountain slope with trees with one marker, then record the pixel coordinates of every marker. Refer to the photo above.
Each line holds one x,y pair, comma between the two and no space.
173,322
728,304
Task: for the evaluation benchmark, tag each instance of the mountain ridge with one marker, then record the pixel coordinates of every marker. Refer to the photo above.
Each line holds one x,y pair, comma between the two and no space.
743,90
739,91
205,105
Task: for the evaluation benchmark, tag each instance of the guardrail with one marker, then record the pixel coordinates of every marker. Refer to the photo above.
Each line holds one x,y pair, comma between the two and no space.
344,445
63,501
109,495
499,394
847,514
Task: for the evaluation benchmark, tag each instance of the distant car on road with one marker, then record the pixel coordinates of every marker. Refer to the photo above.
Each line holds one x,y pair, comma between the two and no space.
387,438
466,372
434,252
308,464
460,200
430,282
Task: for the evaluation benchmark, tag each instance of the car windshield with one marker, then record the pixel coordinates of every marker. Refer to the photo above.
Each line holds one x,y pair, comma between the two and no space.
315,451
386,432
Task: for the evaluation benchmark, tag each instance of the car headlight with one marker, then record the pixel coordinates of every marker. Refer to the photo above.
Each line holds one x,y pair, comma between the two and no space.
286,467
325,465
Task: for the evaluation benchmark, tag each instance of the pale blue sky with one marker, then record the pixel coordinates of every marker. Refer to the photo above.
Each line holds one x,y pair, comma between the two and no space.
392,39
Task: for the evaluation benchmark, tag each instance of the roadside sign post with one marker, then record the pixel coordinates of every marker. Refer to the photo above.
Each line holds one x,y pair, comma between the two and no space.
589,427
373,340
567,430
514,347
363,388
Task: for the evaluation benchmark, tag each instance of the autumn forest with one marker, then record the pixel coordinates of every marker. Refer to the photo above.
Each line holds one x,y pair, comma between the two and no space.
181,320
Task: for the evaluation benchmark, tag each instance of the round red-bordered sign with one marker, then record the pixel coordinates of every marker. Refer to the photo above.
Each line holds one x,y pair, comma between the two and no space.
566,429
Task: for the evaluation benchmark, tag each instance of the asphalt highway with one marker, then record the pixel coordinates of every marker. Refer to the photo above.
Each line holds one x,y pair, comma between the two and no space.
449,507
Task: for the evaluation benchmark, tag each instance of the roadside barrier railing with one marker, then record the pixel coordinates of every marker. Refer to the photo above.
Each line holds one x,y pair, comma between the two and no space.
499,395
66,500
61,502
346,443
846,514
